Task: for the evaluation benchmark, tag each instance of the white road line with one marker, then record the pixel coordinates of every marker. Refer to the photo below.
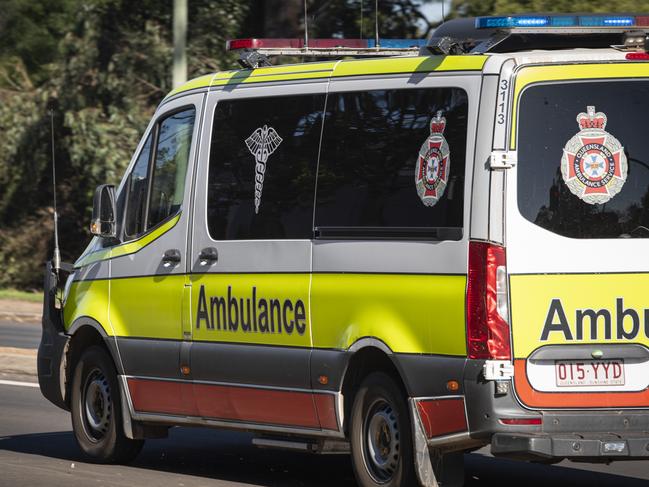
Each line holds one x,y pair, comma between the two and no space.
18,383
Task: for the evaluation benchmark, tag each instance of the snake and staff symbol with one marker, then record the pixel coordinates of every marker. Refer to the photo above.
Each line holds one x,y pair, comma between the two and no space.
262,143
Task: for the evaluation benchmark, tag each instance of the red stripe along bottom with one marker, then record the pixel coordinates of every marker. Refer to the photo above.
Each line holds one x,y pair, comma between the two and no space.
233,403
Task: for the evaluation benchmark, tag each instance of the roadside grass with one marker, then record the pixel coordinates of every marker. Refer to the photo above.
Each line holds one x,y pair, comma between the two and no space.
34,297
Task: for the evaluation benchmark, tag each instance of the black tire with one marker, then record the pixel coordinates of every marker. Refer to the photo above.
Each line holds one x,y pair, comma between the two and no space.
381,435
96,410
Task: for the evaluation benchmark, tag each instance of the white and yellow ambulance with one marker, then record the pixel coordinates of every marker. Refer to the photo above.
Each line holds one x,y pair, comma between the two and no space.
404,257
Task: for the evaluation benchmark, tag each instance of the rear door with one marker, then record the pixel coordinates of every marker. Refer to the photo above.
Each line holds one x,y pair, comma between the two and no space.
578,236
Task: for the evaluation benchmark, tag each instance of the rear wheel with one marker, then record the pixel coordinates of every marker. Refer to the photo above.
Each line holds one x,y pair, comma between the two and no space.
381,439
96,410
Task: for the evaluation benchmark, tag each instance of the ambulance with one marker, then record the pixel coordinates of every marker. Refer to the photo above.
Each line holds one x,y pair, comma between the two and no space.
405,253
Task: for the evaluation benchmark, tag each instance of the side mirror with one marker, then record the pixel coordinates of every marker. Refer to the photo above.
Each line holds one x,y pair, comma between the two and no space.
103,212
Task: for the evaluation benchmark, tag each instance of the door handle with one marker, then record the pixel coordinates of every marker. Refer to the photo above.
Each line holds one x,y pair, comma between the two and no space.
208,256
171,257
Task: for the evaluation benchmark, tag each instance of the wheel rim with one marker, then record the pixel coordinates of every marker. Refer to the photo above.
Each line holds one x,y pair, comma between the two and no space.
382,441
96,405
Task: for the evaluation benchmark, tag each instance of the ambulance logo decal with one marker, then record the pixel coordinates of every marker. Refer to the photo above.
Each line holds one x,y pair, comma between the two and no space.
262,143
433,163
593,164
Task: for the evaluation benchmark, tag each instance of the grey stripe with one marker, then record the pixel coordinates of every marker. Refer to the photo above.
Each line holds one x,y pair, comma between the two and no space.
278,366
150,358
249,364
427,375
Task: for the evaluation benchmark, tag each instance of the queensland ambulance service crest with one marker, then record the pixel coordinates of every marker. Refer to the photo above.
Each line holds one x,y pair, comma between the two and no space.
433,163
593,165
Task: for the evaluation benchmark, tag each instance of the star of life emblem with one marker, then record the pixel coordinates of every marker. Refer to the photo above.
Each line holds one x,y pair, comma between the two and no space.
593,165
262,143
433,163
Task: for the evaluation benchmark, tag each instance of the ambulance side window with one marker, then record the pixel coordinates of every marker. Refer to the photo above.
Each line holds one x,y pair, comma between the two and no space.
155,187
170,166
136,193
263,159
371,147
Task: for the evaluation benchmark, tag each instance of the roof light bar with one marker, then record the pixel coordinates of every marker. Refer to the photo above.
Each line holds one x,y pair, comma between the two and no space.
329,47
561,21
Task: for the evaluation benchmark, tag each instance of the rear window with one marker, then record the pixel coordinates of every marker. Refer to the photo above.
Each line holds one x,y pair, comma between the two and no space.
583,158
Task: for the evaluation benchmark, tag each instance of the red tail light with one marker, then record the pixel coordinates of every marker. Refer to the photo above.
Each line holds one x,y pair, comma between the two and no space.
487,303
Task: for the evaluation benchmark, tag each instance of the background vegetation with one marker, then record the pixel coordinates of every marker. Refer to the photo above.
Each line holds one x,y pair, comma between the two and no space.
102,66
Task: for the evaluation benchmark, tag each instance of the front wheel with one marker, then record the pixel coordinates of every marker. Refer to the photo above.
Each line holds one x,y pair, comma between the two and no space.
381,439
96,410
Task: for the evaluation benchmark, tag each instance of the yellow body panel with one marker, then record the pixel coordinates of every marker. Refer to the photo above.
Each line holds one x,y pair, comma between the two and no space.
88,298
149,307
570,72
325,70
128,247
562,305
410,313
275,73
237,288
200,82
420,64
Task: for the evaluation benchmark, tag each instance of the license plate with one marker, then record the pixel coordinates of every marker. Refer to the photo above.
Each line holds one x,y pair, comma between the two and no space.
570,373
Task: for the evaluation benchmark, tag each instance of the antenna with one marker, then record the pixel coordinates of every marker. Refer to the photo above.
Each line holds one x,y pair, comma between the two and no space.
361,33
56,259
306,27
376,23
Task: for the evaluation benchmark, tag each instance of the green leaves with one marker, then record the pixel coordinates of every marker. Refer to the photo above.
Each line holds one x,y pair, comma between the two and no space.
104,65
470,8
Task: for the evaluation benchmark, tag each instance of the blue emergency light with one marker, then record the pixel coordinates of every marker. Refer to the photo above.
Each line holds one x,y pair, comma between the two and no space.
562,21
397,43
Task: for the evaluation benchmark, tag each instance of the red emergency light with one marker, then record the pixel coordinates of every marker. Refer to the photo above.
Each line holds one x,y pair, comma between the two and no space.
254,43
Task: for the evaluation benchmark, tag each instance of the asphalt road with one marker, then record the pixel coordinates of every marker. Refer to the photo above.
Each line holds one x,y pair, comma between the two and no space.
19,335
37,448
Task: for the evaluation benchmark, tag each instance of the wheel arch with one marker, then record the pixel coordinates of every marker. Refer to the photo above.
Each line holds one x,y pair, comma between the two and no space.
368,355
86,332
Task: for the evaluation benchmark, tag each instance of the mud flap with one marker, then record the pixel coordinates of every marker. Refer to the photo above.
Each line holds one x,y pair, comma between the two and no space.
423,465
126,407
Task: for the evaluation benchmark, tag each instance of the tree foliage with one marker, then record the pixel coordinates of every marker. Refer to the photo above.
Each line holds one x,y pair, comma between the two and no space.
105,74
356,18
336,18
472,8
596,6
